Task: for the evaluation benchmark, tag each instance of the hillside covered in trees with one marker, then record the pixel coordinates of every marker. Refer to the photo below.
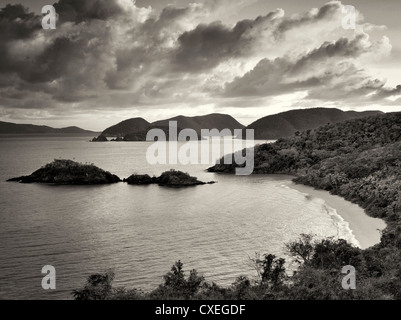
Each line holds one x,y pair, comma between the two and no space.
359,160
285,124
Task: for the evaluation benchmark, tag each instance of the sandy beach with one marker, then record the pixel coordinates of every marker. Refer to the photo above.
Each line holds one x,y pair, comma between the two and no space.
365,229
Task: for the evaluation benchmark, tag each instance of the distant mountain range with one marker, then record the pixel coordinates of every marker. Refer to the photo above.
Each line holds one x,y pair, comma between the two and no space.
268,128
272,127
285,124
14,128
136,129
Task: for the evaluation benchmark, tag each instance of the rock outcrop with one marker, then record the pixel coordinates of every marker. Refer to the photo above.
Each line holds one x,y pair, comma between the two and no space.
170,178
68,172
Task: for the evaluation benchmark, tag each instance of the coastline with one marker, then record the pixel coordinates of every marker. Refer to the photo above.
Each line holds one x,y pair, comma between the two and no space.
365,228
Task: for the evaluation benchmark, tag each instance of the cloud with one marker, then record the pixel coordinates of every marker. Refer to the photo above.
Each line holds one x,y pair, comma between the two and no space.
16,23
209,44
113,55
327,72
387,93
79,11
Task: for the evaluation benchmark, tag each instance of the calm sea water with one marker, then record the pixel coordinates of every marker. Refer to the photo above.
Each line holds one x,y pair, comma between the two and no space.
139,231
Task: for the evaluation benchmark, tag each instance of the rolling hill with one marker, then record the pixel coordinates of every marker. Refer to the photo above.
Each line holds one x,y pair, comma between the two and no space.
272,127
136,129
14,128
285,124
125,127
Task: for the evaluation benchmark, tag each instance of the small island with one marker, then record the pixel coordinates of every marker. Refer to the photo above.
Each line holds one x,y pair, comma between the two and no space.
100,138
68,172
172,178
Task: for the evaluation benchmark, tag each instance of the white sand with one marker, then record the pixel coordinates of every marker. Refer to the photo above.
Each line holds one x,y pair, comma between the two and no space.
365,229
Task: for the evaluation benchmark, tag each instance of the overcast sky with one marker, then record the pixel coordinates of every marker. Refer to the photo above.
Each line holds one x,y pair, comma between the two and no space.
109,60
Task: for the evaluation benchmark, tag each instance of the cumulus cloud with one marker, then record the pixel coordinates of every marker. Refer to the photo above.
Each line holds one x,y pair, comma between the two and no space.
328,72
16,23
208,45
114,55
79,11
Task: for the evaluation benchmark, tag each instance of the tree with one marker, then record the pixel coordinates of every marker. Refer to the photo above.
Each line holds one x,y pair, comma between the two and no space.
98,287
271,270
301,249
176,286
175,279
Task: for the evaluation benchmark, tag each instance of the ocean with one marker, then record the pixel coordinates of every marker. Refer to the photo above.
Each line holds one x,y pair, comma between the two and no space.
140,231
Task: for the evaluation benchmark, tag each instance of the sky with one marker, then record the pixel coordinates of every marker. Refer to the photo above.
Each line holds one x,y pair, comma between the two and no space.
110,60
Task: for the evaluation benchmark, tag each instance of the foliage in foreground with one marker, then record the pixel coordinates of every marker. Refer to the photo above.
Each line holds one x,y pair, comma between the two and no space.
318,276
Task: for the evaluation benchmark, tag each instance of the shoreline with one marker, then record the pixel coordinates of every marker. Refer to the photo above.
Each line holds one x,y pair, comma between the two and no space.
366,230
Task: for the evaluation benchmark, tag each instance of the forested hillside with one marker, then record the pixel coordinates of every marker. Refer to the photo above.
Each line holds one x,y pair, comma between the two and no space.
285,124
358,159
